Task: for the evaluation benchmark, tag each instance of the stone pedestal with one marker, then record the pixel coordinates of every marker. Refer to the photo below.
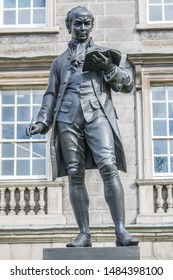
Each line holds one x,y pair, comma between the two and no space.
105,253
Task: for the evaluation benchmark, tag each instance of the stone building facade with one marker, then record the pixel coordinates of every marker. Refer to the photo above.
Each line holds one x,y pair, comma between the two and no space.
35,213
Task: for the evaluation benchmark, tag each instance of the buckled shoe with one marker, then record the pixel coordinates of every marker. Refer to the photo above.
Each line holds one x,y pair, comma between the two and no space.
82,240
123,238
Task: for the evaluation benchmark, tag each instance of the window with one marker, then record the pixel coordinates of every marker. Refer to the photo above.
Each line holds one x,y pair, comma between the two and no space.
154,115
20,157
162,129
160,11
28,16
24,12
155,14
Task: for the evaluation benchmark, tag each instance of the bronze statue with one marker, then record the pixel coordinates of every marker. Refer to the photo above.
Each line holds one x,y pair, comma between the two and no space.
77,106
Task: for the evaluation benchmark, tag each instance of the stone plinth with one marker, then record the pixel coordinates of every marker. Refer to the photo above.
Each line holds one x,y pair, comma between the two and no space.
105,253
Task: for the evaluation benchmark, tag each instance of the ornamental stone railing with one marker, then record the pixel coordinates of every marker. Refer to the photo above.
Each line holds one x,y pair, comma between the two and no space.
31,202
23,200
155,201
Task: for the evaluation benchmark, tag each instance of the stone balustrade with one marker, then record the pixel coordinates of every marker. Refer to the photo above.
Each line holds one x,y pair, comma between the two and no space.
155,201
23,200
34,202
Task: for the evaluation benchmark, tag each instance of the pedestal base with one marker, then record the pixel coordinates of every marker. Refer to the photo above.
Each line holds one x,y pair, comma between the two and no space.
97,253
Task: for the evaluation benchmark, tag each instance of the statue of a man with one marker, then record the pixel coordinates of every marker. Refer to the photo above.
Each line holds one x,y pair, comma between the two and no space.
77,106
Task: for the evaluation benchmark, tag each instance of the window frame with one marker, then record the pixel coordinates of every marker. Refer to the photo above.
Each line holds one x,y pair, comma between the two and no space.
143,23
17,141
164,137
27,73
50,27
151,70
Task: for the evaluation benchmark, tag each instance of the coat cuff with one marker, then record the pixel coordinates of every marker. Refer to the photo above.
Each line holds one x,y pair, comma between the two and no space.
44,128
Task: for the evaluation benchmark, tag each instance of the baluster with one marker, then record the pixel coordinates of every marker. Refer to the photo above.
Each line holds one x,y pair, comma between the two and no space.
169,199
2,202
159,201
41,201
32,201
12,201
22,202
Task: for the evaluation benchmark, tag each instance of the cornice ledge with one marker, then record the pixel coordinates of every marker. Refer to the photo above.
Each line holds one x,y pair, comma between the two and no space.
29,183
32,31
21,63
143,232
160,181
151,59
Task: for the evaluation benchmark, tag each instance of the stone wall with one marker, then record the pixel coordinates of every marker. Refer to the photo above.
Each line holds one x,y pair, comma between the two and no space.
148,250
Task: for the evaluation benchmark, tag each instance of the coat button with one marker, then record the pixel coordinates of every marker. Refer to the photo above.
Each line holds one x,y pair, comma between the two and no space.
123,78
119,86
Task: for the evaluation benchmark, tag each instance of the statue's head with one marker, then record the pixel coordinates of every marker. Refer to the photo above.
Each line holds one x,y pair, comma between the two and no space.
79,22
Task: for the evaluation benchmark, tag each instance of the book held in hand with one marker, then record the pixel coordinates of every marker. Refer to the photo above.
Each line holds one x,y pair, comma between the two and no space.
90,66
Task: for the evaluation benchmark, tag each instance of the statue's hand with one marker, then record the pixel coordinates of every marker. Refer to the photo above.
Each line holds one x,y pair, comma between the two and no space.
104,62
34,129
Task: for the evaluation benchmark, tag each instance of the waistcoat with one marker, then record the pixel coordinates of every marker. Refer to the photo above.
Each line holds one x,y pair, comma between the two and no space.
79,92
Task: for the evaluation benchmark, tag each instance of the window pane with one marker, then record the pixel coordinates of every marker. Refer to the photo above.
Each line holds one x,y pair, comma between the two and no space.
23,150
23,167
39,16
158,93
23,97
39,3
24,17
170,106
171,146
39,167
168,1
161,164
171,164
155,13
9,17
7,97
171,128
39,150
35,111
37,97
9,3
24,3
7,114
159,110
170,93
39,136
21,128
159,128
7,167
23,113
8,131
160,146
7,150
169,13
155,1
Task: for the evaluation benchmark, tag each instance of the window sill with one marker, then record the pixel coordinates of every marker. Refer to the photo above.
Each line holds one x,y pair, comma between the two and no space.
43,30
143,27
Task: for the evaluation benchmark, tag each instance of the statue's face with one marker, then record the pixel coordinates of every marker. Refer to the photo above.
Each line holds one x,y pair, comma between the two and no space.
81,26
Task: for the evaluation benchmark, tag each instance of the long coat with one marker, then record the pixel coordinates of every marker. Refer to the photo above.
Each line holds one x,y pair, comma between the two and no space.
59,77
